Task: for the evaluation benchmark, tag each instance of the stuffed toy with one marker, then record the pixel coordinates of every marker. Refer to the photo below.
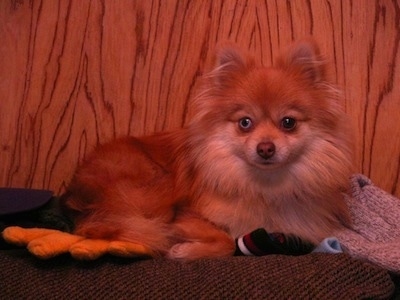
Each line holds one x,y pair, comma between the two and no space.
260,242
29,208
46,243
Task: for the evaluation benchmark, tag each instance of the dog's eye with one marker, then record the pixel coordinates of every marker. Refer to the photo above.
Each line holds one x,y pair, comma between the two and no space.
288,123
245,124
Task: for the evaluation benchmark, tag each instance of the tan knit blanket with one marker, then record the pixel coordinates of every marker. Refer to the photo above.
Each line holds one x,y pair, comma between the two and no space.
375,232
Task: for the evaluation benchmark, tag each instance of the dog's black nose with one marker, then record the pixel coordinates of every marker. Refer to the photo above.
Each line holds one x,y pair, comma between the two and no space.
266,149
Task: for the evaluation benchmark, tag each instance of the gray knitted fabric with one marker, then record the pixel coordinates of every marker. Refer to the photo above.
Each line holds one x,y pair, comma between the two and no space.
375,232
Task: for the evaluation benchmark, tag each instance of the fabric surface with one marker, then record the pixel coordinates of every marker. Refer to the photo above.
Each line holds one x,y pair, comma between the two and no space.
375,231
312,276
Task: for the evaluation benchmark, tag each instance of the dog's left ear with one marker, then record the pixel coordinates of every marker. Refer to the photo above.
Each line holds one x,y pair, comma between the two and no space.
304,57
230,62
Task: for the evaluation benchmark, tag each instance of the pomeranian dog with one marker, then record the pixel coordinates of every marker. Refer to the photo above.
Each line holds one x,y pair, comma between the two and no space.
267,147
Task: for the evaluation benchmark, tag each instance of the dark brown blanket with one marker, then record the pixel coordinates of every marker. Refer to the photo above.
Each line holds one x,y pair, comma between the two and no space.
317,276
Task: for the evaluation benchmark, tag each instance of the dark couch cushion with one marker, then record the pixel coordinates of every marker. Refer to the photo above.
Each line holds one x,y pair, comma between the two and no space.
317,275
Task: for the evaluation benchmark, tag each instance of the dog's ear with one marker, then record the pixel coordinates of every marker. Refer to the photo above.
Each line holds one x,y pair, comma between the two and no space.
231,58
230,62
304,57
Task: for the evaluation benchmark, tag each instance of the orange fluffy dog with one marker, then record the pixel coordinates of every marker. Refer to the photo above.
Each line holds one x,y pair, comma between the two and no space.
267,147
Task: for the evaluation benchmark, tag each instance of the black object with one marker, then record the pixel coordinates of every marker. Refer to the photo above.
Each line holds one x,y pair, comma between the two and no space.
17,200
31,208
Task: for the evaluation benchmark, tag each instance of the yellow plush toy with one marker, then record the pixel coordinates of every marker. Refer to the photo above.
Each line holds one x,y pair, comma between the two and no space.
41,208
47,243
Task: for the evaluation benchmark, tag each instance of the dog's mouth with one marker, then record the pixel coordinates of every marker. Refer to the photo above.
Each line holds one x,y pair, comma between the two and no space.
266,164
259,162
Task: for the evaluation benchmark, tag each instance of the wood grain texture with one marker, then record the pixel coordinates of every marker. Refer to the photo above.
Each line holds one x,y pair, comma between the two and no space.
77,73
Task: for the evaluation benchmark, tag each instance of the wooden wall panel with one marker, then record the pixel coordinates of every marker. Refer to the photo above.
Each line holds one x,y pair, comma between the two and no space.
77,73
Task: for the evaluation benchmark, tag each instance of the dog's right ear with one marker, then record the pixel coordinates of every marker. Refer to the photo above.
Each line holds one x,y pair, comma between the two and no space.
230,62
304,57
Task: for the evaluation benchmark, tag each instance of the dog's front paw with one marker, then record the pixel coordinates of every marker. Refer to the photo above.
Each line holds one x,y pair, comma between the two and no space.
196,250
181,251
